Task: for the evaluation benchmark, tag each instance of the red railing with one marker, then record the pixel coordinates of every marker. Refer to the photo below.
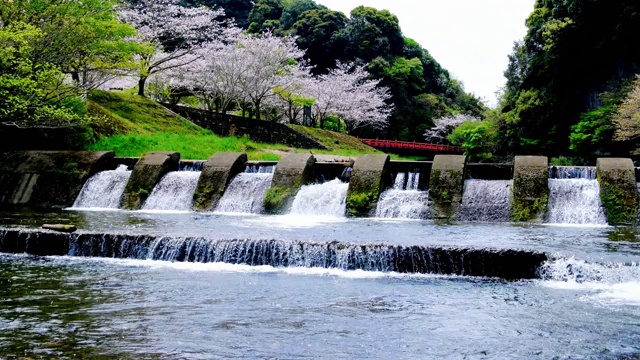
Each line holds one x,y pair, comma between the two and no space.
395,144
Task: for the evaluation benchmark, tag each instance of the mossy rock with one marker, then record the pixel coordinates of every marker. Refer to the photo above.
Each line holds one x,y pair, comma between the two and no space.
618,190
275,200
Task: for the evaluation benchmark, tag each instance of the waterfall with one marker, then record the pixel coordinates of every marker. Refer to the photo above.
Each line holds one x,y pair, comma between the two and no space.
508,264
575,201
104,189
173,192
246,191
404,200
485,200
326,199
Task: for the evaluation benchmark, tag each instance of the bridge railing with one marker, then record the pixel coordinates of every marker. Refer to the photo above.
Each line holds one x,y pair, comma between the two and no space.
395,144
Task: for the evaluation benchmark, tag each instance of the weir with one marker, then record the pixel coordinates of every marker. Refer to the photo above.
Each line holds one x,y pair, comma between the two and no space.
104,190
506,264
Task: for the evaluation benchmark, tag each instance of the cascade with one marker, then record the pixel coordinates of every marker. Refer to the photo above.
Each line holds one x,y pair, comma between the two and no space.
104,189
246,191
326,199
173,192
485,200
404,200
508,264
576,200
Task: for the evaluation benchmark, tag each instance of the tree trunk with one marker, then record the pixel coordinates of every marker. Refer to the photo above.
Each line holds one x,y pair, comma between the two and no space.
257,110
141,83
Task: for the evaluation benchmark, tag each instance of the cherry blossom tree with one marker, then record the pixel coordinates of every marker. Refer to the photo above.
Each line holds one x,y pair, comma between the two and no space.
268,63
173,33
349,93
444,126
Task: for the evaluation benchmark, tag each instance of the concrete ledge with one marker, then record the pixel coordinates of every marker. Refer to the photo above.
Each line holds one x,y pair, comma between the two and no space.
292,171
47,179
530,187
618,190
146,174
216,174
368,180
446,185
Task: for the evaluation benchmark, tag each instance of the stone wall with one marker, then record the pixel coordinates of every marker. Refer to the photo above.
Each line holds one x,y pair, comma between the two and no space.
530,187
369,178
446,184
47,179
618,190
256,130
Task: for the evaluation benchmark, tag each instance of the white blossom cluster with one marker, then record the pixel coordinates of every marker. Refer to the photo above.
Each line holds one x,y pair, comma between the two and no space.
225,68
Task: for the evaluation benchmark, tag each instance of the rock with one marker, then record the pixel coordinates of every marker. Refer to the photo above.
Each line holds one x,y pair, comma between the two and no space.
67,228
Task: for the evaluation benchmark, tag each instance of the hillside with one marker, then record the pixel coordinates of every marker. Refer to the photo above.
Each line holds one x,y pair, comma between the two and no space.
131,125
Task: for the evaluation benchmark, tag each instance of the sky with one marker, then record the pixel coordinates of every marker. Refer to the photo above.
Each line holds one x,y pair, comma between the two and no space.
470,38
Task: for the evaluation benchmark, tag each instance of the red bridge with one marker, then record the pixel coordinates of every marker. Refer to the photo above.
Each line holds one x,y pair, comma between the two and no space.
395,144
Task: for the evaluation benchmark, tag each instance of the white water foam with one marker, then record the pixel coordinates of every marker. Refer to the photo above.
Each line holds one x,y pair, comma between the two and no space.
103,190
606,284
219,267
404,200
575,201
326,199
174,192
245,193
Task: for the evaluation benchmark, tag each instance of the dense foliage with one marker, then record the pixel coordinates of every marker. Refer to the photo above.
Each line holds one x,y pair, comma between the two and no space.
52,53
567,77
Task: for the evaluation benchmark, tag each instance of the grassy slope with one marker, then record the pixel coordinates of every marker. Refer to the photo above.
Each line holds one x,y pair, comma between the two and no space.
131,125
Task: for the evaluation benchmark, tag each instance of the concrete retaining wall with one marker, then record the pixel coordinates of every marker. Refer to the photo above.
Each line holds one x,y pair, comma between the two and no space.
369,178
530,187
47,179
446,184
146,174
618,190
216,174
256,130
292,171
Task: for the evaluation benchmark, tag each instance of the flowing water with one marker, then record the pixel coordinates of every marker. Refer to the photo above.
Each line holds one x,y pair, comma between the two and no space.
174,192
485,200
326,199
246,191
104,190
404,200
321,285
575,201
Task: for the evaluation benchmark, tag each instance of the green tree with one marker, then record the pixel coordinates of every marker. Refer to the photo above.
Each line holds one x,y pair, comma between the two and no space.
374,33
265,15
293,9
319,33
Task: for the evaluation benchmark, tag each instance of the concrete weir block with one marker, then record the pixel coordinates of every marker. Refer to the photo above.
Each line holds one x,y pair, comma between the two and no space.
530,187
618,190
368,180
47,179
146,174
292,171
216,175
446,184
